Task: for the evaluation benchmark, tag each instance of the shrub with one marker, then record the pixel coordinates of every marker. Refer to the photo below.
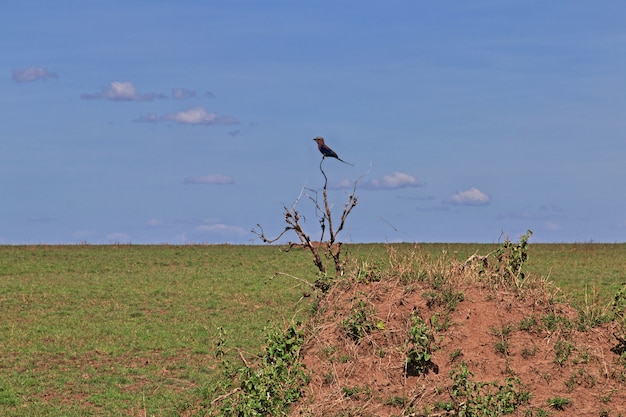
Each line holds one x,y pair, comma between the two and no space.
418,358
487,399
511,257
269,388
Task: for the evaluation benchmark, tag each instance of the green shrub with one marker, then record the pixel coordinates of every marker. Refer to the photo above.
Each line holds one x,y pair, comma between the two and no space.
269,388
486,399
418,358
511,257
359,323
558,403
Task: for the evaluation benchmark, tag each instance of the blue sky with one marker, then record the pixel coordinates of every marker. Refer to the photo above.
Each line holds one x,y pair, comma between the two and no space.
192,121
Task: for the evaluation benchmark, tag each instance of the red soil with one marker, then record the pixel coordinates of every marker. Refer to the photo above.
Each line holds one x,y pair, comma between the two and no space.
368,378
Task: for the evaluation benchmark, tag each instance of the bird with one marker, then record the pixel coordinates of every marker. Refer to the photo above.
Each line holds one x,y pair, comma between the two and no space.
326,151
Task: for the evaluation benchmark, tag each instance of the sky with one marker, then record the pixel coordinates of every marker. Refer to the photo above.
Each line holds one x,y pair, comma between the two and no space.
181,122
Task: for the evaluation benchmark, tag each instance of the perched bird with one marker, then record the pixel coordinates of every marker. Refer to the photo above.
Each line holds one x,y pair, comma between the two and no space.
326,151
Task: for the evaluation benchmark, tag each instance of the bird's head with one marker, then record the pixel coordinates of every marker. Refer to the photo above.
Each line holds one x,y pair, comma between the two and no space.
319,139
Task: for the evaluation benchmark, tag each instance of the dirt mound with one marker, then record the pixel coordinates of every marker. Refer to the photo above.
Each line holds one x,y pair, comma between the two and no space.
455,339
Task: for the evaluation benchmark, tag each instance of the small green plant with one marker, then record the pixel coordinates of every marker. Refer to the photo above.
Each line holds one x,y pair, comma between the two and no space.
529,352
593,313
511,257
608,397
443,295
369,271
618,307
553,322
528,324
269,388
620,347
455,354
355,392
580,378
558,403
323,282
359,323
7,396
441,321
538,412
418,357
563,350
486,399
221,341
503,334
329,378
444,405
328,351
396,401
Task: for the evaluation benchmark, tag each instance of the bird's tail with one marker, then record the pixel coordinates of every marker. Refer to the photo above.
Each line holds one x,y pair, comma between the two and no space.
345,162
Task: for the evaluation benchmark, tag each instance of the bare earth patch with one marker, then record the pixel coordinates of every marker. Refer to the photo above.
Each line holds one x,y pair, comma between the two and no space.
356,356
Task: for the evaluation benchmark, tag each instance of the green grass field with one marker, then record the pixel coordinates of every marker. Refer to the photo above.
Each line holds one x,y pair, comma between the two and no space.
132,330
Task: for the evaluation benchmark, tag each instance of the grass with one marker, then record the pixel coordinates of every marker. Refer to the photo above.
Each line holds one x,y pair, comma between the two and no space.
133,330
115,330
581,270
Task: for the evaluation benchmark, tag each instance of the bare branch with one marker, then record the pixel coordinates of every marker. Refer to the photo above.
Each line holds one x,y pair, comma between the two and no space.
224,396
304,281
323,211
323,173
261,234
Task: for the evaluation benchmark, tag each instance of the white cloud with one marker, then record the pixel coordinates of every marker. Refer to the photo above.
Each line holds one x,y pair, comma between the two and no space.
194,116
154,222
122,91
471,197
342,185
83,234
221,229
541,213
26,75
199,116
210,179
387,182
180,93
126,91
393,181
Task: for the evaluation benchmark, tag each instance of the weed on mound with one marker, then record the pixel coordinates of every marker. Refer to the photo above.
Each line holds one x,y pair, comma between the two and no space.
426,336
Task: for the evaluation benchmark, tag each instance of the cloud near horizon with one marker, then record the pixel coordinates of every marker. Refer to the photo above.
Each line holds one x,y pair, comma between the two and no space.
221,229
542,212
27,75
471,197
210,179
118,237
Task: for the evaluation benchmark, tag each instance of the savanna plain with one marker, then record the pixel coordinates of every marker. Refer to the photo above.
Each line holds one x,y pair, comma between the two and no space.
161,330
